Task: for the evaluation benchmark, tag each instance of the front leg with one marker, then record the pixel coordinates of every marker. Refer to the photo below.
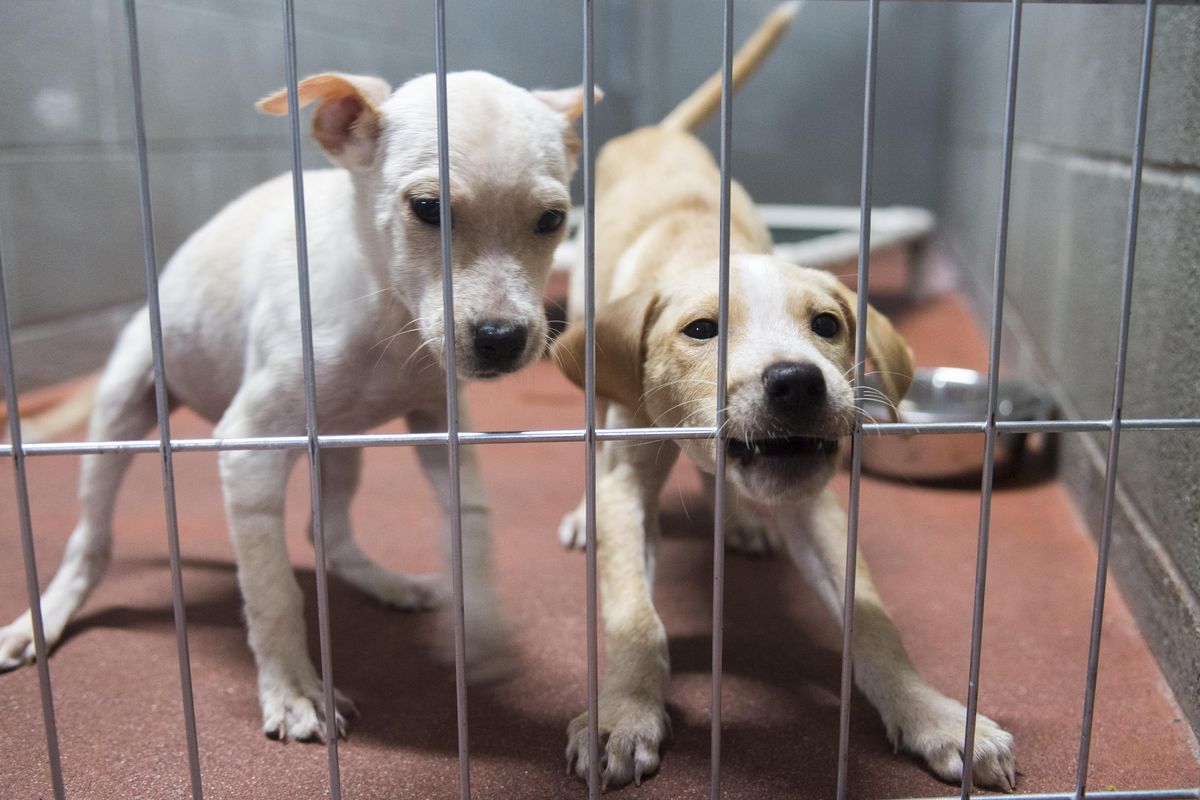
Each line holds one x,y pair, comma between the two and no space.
918,717
633,720
254,483
490,652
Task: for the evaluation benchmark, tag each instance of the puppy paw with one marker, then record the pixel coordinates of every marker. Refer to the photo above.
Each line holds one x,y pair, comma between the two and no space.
632,730
395,589
16,645
297,711
746,532
572,531
935,733
411,592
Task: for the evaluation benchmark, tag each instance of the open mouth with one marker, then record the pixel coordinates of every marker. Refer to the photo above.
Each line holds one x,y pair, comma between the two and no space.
780,448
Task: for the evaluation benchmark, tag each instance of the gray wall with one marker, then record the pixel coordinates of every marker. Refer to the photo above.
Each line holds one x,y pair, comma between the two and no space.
68,206
1070,188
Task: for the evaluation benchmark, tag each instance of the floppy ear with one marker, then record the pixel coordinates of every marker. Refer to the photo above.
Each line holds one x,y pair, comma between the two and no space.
568,102
887,350
346,123
620,348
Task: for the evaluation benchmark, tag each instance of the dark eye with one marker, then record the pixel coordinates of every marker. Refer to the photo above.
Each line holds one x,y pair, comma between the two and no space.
427,209
550,221
701,329
825,325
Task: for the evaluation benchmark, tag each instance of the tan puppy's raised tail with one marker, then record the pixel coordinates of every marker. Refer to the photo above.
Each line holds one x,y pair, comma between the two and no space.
702,103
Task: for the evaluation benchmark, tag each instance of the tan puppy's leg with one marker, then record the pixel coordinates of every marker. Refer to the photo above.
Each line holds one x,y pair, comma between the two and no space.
633,720
919,718
340,469
490,653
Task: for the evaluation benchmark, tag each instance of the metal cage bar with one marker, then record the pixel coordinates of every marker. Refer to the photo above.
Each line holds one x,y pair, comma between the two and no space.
989,440
25,522
720,442
1118,399
452,437
860,355
589,401
552,435
312,442
161,407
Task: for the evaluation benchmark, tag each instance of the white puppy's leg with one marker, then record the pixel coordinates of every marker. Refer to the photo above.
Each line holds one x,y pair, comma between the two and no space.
633,716
490,653
254,482
124,410
340,469
918,717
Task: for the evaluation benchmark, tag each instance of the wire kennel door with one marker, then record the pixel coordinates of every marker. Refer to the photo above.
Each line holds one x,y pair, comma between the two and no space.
589,435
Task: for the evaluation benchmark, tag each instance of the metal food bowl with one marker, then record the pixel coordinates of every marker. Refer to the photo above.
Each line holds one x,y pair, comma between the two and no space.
948,394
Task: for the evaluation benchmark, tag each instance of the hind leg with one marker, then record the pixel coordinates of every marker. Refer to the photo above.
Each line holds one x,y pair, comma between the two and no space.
124,410
340,469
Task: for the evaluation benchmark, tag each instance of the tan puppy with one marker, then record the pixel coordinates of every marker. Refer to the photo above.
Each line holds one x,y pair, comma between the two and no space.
231,334
791,344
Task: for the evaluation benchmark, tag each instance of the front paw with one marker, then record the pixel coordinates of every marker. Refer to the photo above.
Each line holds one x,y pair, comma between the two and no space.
632,729
746,532
295,709
572,531
934,731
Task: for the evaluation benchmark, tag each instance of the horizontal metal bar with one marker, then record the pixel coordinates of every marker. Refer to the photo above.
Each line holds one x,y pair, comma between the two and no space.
1039,2
1145,794
551,436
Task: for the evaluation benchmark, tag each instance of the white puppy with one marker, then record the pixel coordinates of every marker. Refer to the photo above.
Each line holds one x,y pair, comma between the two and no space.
231,334
790,403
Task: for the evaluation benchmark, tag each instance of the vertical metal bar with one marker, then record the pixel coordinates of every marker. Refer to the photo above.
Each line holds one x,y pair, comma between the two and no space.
1114,437
860,355
589,401
32,590
160,401
989,440
718,610
310,402
452,443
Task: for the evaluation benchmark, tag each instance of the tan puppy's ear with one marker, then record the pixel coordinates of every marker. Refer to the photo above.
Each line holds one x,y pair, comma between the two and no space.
568,102
620,348
346,123
888,351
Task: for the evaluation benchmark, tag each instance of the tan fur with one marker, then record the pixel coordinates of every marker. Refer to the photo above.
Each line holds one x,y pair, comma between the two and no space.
656,273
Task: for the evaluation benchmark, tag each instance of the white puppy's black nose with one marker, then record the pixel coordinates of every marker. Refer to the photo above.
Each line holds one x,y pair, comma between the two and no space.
790,386
499,344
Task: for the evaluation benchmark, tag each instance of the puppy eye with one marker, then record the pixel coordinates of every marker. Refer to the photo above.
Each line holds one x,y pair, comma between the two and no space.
427,209
825,325
701,329
550,221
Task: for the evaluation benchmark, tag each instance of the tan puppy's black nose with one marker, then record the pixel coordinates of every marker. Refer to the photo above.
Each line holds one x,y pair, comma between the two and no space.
790,387
499,344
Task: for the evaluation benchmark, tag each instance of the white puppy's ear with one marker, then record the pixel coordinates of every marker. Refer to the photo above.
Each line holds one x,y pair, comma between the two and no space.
346,123
568,102
621,328
887,350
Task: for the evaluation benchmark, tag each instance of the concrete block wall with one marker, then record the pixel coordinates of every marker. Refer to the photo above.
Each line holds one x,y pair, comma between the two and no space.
1071,172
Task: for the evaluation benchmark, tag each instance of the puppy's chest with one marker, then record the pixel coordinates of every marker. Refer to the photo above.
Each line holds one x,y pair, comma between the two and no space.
374,387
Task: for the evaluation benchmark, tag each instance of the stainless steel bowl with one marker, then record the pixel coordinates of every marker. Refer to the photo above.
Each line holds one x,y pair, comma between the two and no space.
949,394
